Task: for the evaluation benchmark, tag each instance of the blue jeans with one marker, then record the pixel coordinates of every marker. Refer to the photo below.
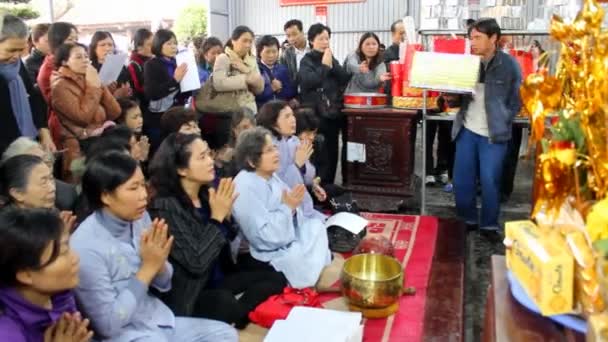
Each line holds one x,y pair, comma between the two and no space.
201,330
477,158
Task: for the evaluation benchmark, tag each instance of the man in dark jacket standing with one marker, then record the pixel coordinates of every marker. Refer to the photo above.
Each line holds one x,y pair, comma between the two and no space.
298,47
482,130
392,52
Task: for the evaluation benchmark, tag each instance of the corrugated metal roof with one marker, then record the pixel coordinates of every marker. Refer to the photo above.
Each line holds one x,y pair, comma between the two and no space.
347,21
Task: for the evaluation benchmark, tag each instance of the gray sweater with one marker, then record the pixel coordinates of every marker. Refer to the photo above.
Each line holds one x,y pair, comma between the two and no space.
360,82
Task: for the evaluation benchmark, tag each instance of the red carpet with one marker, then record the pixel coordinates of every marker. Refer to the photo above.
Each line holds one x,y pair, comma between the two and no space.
414,240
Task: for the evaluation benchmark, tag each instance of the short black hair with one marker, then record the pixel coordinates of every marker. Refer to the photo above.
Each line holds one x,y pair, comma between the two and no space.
126,104
104,174
315,30
97,37
160,38
394,25
470,22
293,22
249,148
98,146
62,53
173,119
58,33
15,173
264,41
245,113
24,236
114,138
140,37
269,113
487,26
306,120
209,44
39,31
173,154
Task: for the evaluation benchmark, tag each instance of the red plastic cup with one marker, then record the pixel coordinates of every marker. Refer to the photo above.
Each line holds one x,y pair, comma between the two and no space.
397,78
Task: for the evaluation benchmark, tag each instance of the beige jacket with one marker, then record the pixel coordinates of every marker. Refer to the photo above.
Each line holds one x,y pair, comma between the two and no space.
230,74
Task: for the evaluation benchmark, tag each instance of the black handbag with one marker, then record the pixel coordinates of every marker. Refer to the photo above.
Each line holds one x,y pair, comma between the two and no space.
325,107
340,239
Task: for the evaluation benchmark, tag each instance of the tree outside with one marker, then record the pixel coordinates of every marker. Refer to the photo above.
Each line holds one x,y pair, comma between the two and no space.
19,8
191,22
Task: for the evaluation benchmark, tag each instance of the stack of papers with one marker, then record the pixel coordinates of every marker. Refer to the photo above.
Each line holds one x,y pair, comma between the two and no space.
434,70
306,324
349,221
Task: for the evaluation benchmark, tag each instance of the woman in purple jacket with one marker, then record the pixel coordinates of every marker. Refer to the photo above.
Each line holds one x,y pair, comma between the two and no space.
277,83
37,272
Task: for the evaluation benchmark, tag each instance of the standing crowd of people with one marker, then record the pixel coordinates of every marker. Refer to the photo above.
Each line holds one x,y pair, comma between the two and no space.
134,211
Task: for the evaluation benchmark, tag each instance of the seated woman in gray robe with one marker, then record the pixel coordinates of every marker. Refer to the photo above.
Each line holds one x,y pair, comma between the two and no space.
270,214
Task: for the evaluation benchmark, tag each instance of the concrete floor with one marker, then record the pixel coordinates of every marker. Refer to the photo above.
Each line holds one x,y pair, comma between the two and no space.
479,250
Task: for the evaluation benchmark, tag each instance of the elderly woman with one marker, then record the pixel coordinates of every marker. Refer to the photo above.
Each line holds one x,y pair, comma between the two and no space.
38,271
81,103
23,111
27,182
270,213
123,253
65,193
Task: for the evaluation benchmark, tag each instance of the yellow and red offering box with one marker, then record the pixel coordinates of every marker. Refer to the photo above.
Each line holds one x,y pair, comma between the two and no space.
541,262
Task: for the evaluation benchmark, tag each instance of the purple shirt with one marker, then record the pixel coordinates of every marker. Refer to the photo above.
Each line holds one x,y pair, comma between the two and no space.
22,321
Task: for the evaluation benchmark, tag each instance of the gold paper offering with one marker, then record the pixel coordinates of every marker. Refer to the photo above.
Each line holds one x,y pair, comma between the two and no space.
542,264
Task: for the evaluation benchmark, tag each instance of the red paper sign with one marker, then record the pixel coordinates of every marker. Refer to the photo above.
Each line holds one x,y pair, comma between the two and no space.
321,14
314,2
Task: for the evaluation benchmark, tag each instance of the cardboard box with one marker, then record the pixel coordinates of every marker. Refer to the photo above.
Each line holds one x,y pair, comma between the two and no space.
542,263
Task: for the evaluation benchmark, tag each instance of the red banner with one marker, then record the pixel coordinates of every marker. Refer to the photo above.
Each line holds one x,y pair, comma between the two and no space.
314,2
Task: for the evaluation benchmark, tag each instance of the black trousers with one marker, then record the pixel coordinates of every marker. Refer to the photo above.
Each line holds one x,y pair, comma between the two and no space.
510,164
445,147
256,282
331,129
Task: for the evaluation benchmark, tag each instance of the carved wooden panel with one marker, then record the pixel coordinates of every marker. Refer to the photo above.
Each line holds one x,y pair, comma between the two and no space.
389,137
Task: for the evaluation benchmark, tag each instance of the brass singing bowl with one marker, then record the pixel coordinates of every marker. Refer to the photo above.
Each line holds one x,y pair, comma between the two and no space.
372,280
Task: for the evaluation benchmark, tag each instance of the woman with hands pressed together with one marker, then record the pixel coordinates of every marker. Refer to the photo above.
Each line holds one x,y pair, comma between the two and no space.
162,76
123,253
322,80
38,271
295,166
206,278
80,102
270,214
366,65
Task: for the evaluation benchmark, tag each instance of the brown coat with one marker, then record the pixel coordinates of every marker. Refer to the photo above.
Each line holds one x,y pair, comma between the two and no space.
81,110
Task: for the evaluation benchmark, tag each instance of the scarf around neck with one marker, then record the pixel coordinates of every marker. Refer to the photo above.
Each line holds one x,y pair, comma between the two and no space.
170,64
19,98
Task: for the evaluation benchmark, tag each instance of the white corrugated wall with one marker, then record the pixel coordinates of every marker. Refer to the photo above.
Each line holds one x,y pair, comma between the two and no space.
347,21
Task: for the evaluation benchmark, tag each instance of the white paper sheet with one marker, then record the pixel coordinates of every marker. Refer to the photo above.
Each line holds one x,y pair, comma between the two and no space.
190,81
111,68
355,152
329,326
349,221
